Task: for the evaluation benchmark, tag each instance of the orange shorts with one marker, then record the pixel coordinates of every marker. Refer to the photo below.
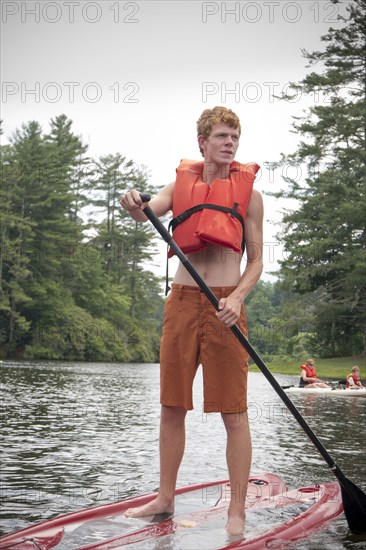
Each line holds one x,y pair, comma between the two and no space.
191,335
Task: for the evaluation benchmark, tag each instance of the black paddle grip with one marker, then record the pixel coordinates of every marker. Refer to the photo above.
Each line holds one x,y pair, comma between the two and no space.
145,197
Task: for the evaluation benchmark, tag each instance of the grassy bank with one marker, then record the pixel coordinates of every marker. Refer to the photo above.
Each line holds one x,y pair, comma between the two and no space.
337,368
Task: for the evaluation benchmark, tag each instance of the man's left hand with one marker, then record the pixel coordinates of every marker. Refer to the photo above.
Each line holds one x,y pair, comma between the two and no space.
229,310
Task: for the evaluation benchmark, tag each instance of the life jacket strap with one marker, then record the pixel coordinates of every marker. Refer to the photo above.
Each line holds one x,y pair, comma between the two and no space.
189,212
167,287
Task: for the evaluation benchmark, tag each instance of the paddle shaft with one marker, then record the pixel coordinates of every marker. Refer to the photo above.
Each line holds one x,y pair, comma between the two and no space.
242,339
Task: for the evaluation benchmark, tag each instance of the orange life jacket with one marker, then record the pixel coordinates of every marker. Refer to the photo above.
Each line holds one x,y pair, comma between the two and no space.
216,214
310,371
356,380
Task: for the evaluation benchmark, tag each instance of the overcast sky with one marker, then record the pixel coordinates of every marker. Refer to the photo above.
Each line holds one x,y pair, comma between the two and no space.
135,76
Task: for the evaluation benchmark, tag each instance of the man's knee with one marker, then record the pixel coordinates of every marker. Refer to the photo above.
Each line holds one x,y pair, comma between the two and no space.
237,421
172,415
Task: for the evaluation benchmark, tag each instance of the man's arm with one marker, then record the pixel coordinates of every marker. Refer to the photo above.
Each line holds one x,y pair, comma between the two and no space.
254,246
230,307
161,204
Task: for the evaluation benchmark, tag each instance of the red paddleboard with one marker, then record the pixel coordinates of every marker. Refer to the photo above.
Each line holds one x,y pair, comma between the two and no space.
272,514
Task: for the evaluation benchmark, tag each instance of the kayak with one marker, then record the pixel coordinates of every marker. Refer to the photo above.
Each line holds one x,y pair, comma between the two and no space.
344,392
274,516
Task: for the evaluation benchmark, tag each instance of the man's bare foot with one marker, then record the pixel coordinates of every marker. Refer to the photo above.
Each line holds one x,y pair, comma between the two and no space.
157,506
235,524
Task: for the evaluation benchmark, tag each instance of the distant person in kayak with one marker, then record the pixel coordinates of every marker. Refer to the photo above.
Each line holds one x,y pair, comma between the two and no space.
353,380
308,378
211,201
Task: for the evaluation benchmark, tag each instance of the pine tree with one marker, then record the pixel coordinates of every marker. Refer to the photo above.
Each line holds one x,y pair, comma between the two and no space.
22,168
69,165
324,237
15,229
127,246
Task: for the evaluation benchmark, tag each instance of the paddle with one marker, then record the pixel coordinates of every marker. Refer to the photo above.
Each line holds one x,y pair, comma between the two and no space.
354,499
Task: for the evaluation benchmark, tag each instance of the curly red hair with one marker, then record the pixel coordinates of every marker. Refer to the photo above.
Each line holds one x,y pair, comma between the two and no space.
217,115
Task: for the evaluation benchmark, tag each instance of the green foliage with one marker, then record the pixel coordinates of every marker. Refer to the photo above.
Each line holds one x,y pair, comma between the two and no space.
324,237
79,337
72,282
278,322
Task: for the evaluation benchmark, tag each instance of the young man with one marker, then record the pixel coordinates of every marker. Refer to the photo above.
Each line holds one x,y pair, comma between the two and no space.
193,332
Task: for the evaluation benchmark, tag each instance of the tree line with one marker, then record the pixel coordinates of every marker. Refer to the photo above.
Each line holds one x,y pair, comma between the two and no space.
73,278
72,281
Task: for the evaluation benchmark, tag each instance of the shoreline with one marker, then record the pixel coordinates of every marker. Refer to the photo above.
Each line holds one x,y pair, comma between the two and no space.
330,368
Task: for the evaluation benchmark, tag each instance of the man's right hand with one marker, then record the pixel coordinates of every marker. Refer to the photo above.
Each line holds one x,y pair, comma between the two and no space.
131,201
160,204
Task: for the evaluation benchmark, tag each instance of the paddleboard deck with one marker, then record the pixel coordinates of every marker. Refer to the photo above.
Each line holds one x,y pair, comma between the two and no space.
272,514
346,392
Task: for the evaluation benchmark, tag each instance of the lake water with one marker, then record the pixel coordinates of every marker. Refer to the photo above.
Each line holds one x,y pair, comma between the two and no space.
80,434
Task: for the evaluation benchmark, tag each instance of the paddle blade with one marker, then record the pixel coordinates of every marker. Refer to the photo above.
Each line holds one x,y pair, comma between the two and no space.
354,504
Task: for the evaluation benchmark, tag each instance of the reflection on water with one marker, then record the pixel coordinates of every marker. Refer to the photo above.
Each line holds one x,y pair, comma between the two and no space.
80,434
